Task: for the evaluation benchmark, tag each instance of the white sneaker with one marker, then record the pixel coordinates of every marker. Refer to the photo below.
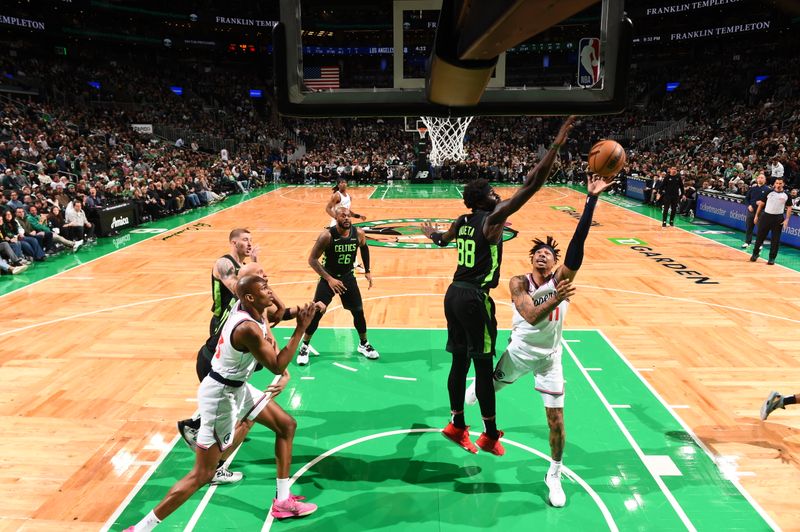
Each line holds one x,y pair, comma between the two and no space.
188,429
745,245
368,351
225,476
18,269
302,355
76,245
471,397
557,498
359,268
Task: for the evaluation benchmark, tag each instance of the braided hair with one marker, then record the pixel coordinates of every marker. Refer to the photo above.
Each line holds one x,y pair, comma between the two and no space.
550,244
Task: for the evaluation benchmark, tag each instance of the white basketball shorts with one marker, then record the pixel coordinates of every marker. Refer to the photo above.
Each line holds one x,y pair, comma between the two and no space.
548,373
221,407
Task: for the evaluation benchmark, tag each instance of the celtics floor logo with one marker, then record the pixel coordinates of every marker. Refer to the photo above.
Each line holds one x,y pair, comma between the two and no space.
405,232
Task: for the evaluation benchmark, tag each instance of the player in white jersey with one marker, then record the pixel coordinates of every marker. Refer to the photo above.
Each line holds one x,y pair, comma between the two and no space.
224,397
541,299
340,198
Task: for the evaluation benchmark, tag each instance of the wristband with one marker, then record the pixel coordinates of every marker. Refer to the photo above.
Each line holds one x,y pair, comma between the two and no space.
437,239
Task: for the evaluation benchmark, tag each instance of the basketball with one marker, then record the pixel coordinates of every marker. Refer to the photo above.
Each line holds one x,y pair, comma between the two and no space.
606,158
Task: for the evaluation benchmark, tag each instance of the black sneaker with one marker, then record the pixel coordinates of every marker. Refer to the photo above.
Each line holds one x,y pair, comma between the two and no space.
753,258
771,262
188,429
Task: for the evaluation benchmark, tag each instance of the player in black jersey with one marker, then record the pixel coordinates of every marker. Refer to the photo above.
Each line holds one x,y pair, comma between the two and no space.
470,311
223,275
337,246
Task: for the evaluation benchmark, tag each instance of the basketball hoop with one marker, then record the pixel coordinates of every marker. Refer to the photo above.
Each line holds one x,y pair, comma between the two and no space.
422,131
447,137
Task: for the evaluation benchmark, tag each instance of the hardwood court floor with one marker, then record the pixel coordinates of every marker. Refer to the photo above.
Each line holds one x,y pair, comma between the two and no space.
98,363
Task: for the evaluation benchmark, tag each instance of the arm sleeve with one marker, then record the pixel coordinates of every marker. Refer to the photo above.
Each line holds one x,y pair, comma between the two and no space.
574,256
365,257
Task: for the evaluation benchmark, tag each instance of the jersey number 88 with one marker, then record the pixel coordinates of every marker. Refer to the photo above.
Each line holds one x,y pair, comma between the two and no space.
466,253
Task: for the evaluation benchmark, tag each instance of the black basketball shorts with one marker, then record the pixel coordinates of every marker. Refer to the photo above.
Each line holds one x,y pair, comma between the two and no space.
351,298
471,321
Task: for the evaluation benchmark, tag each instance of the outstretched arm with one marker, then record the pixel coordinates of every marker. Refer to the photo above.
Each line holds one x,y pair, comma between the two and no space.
439,238
533,182
574,257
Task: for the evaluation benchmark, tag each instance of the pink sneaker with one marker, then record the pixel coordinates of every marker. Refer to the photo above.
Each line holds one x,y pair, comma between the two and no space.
292,507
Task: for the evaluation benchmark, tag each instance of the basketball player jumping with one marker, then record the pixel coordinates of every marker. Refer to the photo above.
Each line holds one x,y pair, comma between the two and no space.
224,397
540,301
470,311
338,246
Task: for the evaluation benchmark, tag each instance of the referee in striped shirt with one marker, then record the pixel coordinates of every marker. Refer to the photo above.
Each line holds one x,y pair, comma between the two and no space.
774,206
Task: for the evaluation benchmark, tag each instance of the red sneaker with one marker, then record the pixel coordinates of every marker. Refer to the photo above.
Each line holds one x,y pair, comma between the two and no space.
460,437
490,445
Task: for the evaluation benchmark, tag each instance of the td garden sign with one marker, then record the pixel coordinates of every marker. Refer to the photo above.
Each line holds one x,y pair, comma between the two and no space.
405,233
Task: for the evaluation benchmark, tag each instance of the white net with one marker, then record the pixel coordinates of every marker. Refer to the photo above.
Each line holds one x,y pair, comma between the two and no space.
447,138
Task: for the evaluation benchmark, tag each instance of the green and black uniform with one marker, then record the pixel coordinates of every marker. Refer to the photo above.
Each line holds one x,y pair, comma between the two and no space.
470,311
338,260
222,298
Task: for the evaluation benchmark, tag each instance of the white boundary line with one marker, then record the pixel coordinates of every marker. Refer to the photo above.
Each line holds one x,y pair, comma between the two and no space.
99,311
689,431
414,379
135,244
337,307
198,513
568,472
348,368
638,450
142,481
704,237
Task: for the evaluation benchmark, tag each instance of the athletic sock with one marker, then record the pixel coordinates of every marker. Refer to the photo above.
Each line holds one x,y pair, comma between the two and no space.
490,428
364,341
283,489
789,400
458,420
555,468
306,342
220,463
148,523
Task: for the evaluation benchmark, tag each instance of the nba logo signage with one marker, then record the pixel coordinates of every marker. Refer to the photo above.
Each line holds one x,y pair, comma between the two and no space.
589,62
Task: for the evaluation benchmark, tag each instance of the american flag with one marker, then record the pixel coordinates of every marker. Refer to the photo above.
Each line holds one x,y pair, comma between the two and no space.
319,78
